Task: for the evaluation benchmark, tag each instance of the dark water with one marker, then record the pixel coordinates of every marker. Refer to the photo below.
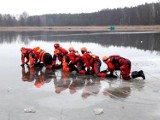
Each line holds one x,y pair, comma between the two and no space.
135,39
60,95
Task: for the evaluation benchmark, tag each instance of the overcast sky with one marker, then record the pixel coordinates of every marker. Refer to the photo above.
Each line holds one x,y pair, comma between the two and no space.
39,7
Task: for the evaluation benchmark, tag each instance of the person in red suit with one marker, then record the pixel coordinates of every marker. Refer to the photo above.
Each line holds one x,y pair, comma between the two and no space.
60,53
92,63
25,55
39,56
73,58
116,62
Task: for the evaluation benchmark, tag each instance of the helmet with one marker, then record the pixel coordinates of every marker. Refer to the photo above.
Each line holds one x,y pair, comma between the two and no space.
56,45
23,51
22,48
56,51
70,49
84,49
36,49
104,58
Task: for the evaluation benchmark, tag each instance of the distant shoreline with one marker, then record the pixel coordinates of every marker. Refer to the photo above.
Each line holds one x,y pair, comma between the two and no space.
136,28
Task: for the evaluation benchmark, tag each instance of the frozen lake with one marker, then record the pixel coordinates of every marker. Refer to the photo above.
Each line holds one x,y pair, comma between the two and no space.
66,96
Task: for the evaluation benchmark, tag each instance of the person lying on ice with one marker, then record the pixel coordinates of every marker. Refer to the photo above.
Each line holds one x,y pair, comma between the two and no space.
75,61
25,55
116,62
92,63
40,56
60,53
72,59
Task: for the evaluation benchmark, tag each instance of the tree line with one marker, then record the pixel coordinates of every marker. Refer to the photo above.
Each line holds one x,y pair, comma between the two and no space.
146,14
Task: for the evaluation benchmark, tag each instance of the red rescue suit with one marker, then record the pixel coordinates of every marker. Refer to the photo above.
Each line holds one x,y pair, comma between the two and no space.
86,57
116,62
25,55
60,53
32,59
94,62
73,56
43,57
80,66
72,59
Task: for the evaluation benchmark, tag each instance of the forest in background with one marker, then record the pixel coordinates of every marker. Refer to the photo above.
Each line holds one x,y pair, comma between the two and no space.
147,14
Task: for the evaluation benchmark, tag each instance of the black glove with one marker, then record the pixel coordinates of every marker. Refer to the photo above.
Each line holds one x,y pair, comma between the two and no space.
26,63
104,71
87,72
70,64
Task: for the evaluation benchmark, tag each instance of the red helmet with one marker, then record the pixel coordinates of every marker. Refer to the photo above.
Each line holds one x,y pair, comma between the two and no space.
36,50
70,49
104,58
56,45
24,51
22,48
84,49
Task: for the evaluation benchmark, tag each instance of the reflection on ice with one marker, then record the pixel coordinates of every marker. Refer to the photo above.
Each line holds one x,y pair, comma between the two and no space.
117,92
84,85
37,75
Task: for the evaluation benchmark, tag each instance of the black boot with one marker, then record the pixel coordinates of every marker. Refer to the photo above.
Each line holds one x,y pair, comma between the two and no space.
141,73
136,74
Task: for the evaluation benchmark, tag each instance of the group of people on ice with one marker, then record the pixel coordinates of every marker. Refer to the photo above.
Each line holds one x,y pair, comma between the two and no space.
71,60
